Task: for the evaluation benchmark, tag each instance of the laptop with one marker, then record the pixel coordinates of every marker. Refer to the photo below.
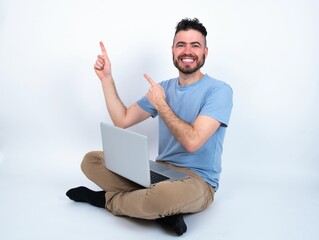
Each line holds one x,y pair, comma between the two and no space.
126,154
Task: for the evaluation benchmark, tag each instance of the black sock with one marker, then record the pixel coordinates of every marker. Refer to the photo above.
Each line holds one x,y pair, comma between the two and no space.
176,222
83,194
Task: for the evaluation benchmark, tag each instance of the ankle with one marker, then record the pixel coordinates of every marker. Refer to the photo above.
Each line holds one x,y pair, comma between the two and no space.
175,222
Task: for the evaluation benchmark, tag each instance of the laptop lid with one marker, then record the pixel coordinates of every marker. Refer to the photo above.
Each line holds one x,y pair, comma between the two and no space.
126,153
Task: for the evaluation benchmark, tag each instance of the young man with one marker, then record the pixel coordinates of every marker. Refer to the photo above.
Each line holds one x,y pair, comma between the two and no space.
193,112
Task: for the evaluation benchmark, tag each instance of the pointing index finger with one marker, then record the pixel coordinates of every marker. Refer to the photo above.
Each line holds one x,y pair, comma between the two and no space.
102,48
150,80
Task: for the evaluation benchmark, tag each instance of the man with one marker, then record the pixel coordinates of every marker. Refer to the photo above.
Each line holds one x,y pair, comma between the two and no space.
193,112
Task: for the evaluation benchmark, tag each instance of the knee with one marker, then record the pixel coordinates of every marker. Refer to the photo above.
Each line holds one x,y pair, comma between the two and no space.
91,160
161,201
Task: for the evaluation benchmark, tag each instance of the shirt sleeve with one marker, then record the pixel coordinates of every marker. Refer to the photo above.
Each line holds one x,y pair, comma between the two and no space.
218,104
147,106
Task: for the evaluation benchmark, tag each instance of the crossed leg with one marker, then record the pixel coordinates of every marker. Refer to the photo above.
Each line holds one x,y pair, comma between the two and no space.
165,201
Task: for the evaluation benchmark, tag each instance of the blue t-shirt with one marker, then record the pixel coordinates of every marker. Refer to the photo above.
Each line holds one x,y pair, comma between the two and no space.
209,97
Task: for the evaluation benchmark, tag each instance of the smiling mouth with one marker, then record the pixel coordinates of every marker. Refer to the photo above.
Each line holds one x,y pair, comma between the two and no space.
187,60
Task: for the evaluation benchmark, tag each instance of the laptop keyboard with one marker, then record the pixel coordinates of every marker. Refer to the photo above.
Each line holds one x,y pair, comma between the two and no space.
156,177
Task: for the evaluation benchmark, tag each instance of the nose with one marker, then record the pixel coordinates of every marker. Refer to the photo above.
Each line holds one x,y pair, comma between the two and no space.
188,48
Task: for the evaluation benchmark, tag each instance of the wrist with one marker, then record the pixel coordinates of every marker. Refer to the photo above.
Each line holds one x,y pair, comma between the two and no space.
162,106
106,79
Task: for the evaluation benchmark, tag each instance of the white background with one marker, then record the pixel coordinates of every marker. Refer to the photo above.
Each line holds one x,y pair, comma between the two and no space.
51,104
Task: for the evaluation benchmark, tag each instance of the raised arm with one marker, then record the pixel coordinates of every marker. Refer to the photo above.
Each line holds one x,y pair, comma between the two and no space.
191,136
121,116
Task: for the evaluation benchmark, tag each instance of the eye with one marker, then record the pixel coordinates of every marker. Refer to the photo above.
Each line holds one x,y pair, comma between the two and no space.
195,46
180,45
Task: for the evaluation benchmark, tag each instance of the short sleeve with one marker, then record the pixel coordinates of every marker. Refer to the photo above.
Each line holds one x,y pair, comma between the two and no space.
218,104
147,106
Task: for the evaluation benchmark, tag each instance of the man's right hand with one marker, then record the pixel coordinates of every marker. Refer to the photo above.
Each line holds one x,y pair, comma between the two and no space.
102,65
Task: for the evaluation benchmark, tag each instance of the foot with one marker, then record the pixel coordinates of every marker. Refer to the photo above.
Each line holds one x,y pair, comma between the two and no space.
176,222
83,194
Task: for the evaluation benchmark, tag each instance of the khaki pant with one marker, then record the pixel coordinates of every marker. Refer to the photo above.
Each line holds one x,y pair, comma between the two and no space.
124,197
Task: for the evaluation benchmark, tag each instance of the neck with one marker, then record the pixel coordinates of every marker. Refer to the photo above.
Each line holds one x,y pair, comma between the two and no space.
186,79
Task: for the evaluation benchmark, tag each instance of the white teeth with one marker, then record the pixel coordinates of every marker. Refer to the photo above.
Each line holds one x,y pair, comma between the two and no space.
187,60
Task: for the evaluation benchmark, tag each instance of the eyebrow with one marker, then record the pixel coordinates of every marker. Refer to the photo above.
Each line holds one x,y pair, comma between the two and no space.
181,42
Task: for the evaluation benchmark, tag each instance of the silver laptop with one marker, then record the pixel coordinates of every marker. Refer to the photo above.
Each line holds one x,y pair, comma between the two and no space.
126,153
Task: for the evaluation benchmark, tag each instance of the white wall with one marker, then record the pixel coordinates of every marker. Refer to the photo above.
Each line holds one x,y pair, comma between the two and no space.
51,102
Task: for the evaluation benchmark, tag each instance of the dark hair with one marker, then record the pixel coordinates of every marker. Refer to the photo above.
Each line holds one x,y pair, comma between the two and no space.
187,24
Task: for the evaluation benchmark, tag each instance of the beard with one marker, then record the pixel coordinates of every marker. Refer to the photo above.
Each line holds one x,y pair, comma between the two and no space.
187,69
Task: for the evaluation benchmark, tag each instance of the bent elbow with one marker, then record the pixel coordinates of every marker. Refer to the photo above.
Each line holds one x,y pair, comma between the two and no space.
191,148
120,125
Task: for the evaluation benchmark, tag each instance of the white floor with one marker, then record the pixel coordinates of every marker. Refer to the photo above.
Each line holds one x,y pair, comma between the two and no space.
33,205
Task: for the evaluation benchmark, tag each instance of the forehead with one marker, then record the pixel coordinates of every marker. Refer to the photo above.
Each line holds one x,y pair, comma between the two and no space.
189,36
